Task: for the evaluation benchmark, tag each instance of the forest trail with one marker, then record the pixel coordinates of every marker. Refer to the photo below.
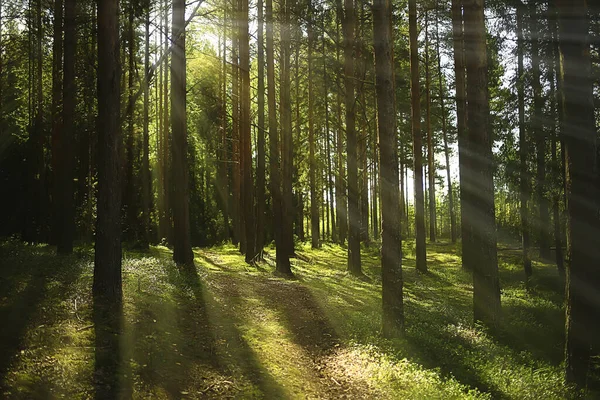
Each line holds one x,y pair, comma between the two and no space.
226,329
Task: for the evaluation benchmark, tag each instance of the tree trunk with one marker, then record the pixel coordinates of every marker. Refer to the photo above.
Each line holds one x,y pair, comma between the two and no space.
340,178
286,133
524,177
66,164
246,135
583,233
182,247
391,245
57,92
314,201
260,170
451,209
107,259
282,257
146,189
354,262
334,233
479,207
537,122
430,151
415,88
131,210
557,111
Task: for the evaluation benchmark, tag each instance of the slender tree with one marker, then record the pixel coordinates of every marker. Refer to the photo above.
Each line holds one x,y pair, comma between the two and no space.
282,256
451,208
537,125
182,246
260,162
415,88
107,258
245,135
286,131
65,203
583,233
314,201
145,171
524,178
430,150
479,184
391,245
354,263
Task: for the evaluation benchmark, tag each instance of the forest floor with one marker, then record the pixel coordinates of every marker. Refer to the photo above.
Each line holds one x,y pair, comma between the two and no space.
230,330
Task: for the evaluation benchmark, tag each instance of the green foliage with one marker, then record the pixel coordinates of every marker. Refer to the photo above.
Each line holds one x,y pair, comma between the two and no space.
229,329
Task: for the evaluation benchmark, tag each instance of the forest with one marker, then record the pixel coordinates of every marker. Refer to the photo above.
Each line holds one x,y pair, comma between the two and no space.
311,199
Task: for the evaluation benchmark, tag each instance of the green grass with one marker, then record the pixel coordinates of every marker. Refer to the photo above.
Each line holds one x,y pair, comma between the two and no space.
228,329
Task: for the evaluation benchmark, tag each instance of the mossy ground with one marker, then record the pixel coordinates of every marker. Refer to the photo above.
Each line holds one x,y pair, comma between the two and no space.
227,329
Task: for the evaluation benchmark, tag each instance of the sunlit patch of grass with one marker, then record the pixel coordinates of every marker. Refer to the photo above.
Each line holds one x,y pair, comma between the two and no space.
229,329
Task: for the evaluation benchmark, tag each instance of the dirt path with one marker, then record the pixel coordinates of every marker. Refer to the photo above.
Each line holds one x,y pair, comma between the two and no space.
303,338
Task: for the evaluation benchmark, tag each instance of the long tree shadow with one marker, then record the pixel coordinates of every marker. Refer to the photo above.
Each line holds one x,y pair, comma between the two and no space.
185,341
32,281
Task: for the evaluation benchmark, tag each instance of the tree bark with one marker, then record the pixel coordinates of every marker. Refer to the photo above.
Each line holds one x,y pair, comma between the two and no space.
286,132
245,135
583,233
537,122
66,164
107,259
391,245
314,201
415,89
57,93
524,178
146,189
451,209
430,151
282,257
479,207
182,247
260,170
354,262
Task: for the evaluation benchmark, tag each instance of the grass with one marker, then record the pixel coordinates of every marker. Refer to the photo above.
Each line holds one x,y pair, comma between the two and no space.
230,330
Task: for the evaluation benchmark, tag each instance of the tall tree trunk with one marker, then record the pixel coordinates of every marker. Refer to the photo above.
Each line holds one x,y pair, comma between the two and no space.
314,201
354,262
66,165
557,111
583,233
286,132
235,139
430,151
146,189
415,89
260,162
458,33
107,286
282,256
167,137
57,92
524,178
245,135
107,258
131,209
391,245
340,179
451,209
182,246
479,207
537,122
334,232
